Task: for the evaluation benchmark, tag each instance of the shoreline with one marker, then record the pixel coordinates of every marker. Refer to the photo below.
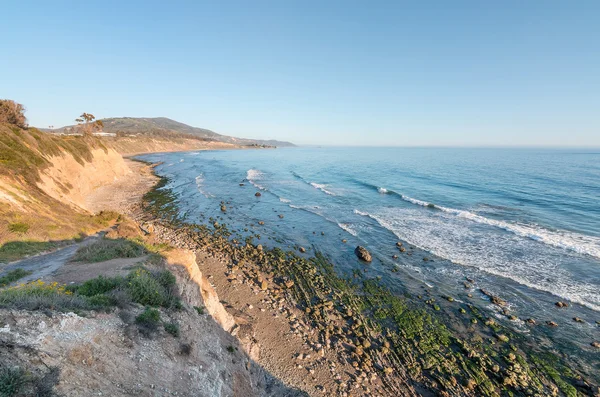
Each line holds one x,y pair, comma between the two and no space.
352,347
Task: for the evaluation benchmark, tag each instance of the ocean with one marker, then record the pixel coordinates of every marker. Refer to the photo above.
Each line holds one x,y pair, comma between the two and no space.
523,224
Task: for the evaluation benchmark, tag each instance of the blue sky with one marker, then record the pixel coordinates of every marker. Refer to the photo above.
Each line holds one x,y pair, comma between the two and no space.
316,72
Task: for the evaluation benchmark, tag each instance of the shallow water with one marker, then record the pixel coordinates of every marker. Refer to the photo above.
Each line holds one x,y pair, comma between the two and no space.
524,224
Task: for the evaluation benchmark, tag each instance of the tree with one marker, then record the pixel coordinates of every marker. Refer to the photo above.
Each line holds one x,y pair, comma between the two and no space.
88,124
13,113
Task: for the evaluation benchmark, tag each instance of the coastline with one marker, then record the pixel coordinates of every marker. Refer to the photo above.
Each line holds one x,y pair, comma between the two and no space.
334,341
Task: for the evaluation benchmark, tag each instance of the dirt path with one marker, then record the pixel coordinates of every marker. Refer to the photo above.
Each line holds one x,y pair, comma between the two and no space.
43,266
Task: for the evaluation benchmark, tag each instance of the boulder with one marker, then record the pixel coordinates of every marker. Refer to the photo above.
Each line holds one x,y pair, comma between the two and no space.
257,194
363,254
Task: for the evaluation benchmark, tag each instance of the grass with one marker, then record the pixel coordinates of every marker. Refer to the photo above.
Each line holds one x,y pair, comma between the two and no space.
172,328
107,249
148,321
99,285
101,293
152,289
13,276
12,381
16,250
39,295
18,227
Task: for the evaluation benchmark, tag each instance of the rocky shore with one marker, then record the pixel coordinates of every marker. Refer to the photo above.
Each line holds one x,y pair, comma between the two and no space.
352,337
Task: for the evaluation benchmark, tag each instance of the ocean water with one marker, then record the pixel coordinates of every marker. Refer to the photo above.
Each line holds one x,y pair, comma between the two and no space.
523,223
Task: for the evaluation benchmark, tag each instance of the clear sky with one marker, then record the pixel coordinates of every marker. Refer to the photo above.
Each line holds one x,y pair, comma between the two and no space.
315,72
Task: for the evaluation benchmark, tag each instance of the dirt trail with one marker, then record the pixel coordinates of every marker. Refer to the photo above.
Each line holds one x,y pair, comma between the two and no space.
43,266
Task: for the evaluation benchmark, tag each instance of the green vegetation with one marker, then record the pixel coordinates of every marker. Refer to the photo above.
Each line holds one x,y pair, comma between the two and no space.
106,249
16,250
40,295
152,289
13,276
149,316
199,310
12,381
16,381
148,321
172,328
101,293
98,286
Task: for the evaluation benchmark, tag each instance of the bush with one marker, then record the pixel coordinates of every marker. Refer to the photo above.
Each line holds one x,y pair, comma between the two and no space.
12,381
148,321
146,289
172,328
99,285
148,316
166,279
102,301
106,249
13,276
18,227
40,295
13,113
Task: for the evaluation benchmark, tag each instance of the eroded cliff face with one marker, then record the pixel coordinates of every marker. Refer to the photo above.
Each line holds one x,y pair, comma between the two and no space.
107,354
70,181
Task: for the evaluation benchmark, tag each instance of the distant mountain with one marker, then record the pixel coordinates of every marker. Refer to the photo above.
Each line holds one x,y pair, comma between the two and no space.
163,126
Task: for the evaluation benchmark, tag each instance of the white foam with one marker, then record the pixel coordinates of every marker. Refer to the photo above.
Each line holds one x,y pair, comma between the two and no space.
253,175
580,243
382,190
284,200
507,255
322,187
199,185
348,227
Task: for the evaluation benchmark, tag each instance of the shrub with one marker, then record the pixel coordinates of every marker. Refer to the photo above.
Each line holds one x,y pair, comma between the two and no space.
41,295
13,113
106,249
166,279
13,276
102,301
99,285
12,381
146,289
148,316
199,310
148,321
18,227
172,328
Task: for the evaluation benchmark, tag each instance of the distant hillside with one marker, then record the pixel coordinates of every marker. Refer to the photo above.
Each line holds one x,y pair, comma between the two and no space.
163,126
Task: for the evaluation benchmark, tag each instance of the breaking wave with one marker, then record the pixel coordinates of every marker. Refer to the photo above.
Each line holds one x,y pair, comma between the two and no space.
580,243
322,187
253,176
